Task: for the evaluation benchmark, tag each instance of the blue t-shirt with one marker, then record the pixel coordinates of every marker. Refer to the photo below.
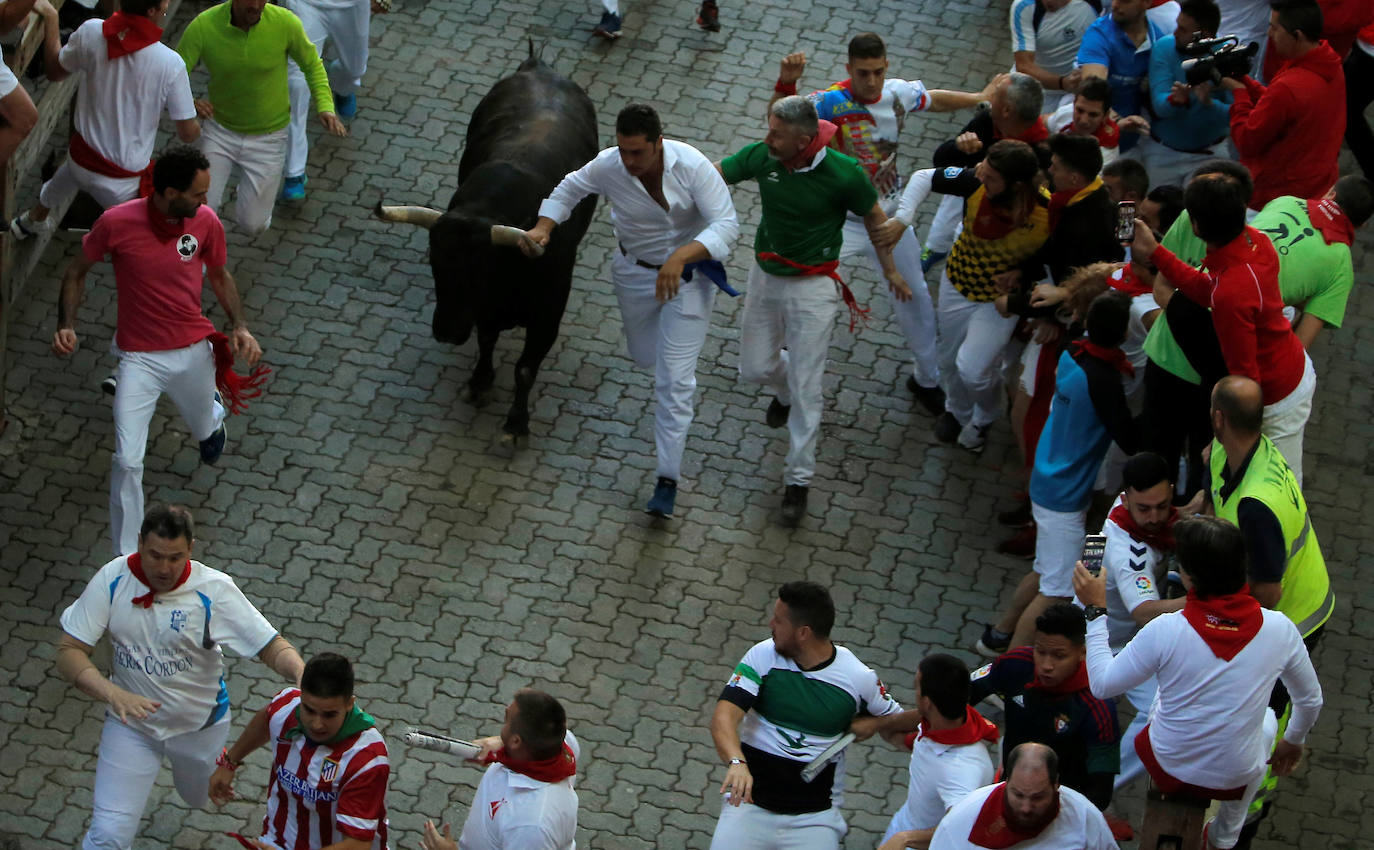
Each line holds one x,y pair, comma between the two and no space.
1128,66
1185,128
1072,445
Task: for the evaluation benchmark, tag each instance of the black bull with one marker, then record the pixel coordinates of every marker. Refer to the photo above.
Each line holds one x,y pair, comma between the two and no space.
530,130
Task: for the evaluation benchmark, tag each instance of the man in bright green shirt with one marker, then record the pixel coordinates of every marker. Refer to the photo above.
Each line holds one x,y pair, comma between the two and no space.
244,45
806,189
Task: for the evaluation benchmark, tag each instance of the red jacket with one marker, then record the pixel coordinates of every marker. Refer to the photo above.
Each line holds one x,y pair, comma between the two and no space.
1241,285
1289,134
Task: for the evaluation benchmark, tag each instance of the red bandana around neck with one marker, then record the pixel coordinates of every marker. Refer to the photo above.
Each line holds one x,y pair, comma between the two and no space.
1125,280
825,131
1114,357
991,829
146,600
1225,623
126,34
1162,539
974,729
554,769
1077,682
1328,217
164,227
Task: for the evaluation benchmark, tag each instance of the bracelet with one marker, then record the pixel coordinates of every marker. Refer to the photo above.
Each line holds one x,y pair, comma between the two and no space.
225,761
734,762
785,88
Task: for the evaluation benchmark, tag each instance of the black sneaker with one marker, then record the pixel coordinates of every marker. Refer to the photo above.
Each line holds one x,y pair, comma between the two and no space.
931,398
708,16
609,27
663,500
110,384
777,414
989,646
794,503
947,428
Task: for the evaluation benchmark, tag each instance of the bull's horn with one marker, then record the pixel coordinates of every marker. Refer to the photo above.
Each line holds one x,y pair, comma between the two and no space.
423,216
514,237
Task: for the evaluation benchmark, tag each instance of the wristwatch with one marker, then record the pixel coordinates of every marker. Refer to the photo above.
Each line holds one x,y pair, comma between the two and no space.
1092,612
734,762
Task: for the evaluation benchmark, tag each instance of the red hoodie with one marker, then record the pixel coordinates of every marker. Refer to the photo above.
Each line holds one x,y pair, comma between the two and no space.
1289,134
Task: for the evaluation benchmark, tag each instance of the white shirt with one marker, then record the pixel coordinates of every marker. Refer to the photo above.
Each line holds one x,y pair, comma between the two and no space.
941,775
1061,121
1206,724
170,652
699,205
1080,826
1055,42
119,101
514,812
1133,571
8,81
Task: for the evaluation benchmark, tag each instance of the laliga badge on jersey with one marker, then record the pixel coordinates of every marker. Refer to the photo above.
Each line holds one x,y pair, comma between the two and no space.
187,245
981,673
1143,582
329,770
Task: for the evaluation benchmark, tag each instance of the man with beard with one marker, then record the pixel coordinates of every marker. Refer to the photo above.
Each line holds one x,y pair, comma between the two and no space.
165,344
789,699
1028,811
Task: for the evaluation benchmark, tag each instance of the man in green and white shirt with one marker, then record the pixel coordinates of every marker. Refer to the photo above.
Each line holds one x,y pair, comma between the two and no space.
244,45
805,189
789,699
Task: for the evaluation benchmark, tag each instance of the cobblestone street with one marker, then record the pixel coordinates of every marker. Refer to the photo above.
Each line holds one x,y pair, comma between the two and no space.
365,505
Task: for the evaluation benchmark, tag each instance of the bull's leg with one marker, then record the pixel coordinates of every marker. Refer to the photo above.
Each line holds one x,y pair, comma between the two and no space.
538,340
484,375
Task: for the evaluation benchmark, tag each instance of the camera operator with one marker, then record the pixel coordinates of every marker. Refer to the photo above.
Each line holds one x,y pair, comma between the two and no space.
1289,133
1191,121
1216,662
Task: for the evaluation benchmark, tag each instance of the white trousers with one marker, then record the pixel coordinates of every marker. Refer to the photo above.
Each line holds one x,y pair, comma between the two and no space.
945,224
127,768
915,317
665,337
1142,697
185,374
71,178
259,159
344,31
1285,420
799,313
1058,546
972,336
748,827
1224,829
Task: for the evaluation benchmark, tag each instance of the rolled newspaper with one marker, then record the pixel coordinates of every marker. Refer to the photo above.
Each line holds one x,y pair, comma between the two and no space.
442,744
816,765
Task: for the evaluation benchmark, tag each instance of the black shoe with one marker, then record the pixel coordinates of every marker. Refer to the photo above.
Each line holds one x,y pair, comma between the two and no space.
708,16
110,385
777,414
931,398
991,647
1017,517
609,27
664,498
794,503
947,428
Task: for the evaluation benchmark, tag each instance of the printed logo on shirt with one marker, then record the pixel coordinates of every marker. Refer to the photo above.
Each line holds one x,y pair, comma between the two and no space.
796,743
1061,723
773,177
953,172
1143,582
495,806
734,680
300,788
187,246
329,770
178,620
882,690
980,673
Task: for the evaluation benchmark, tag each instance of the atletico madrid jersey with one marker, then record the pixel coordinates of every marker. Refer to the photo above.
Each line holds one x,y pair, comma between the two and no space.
319,794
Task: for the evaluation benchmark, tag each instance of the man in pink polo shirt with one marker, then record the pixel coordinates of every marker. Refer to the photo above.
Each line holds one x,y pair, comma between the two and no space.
165,344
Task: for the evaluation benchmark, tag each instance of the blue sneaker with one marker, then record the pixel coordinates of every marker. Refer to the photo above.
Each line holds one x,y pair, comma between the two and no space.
664,498
293,188
929,258
213,446
346,106
609,27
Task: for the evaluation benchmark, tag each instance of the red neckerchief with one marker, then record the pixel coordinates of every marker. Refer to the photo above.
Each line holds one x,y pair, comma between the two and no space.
974,729
1077,682
1162,539
830,270
1225,623
164,228
825,131
126,34
1108,134
991,221
235,388
1125,280
1114,357
146,600
1067,198
554,769
848,86
991,829
1032,135
1328,217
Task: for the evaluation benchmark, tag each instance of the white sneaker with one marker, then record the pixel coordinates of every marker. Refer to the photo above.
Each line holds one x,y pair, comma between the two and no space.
22,227
973,437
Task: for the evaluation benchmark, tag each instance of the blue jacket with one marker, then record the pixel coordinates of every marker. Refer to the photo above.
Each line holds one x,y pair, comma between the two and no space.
1185,128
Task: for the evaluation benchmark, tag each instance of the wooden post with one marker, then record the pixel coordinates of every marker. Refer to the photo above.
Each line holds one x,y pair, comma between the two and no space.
1172,821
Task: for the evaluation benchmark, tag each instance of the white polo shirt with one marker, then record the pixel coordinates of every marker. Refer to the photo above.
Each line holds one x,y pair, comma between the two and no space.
941,775
170,652
511,811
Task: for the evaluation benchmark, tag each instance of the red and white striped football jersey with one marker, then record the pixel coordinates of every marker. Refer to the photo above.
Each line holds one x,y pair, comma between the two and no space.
321,793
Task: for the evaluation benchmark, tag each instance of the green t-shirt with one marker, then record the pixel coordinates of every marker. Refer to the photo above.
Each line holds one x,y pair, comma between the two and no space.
804,210
248,69
1314,277
1160,345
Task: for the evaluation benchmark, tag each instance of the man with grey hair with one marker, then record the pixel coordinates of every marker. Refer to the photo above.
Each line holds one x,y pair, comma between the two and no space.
1013,113
794,290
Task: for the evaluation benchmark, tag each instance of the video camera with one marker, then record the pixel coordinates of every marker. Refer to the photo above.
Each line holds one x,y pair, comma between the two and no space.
1215,58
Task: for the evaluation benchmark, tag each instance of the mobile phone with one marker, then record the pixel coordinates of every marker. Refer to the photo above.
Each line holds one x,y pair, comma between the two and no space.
1125,221
1094,545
